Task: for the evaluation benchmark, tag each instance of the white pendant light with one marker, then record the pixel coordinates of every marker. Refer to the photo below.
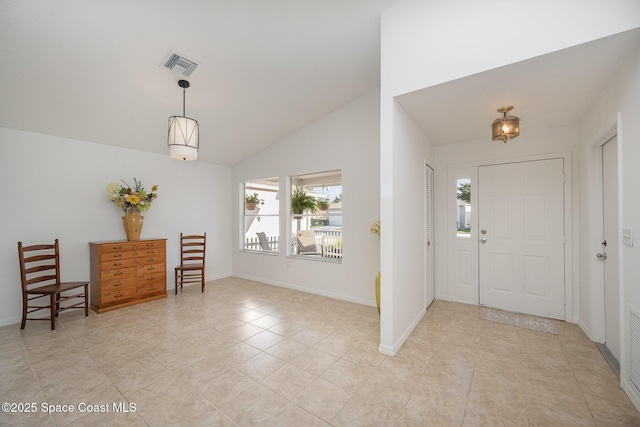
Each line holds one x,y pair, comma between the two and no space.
183,139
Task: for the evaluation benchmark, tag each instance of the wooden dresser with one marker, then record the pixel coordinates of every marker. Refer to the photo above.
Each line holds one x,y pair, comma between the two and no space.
125,273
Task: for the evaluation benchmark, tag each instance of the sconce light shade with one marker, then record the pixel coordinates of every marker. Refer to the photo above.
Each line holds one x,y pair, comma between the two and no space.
505,127
183,139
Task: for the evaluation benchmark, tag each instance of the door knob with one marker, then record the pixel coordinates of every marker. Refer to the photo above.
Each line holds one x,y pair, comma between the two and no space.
483,240
602,256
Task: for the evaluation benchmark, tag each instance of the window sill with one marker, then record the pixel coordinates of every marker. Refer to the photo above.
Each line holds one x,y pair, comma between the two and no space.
316,258
268,253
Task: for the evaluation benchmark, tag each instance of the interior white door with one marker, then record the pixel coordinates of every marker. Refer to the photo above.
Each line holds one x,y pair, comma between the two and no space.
521,239
430,282
609,254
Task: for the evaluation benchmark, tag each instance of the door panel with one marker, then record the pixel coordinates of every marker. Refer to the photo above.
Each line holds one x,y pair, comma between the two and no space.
521,253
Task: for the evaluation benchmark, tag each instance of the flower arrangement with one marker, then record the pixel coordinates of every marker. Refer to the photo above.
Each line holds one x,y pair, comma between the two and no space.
131,199
375,227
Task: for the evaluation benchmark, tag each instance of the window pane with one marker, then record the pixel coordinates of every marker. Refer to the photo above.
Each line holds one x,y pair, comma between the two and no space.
316,215
463,207
261,223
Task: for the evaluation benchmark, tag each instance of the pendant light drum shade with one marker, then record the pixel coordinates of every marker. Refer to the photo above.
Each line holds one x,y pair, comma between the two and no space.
183,139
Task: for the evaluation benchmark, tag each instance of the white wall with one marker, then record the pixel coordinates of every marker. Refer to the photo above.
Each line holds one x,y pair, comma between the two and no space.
55,188
346,139
617,111
402,252
427,43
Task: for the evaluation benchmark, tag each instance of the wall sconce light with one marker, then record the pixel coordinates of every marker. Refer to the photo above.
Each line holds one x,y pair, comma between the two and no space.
505,127
183,140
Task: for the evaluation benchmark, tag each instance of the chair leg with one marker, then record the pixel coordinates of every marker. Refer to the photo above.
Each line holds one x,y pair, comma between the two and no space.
176,281
86,300
202,279
53,311
24,312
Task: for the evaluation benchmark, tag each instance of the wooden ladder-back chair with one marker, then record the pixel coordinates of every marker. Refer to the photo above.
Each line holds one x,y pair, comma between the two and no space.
40,275
192,256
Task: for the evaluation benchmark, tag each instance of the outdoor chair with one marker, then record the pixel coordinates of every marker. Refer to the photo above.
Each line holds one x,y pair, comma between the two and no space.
306,243
264,242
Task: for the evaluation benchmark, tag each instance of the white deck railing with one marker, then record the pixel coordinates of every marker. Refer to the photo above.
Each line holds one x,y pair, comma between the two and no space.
330,241
253,244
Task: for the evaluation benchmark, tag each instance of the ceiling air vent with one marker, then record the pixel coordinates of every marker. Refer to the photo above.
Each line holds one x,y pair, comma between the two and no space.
179,64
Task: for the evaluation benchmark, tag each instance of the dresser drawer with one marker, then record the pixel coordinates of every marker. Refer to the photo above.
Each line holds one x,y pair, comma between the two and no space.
108,285
144,277
113,256
118,247
154,244
119,273
151,268
116,264
118,295
149,289
147,253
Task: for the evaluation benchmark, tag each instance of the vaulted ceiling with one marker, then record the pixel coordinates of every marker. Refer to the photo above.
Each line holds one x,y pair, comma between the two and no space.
92,71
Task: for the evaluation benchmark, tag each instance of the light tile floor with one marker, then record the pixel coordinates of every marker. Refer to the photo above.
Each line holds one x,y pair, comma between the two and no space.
249,354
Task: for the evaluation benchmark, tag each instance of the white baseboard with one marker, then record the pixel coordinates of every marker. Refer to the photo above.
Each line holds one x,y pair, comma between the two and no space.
392,351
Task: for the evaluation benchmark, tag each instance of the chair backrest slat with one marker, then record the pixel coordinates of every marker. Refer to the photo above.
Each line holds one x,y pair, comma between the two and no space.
41,264
192,248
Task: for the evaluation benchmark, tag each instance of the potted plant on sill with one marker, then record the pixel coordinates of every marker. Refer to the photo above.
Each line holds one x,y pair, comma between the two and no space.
251,201
302,202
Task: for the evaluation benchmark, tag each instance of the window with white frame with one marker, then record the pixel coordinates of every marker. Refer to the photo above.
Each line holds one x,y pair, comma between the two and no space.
463,207
261,216
316,216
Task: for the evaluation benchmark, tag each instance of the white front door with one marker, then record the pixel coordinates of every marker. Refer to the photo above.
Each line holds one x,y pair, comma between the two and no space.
521,237
609,254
